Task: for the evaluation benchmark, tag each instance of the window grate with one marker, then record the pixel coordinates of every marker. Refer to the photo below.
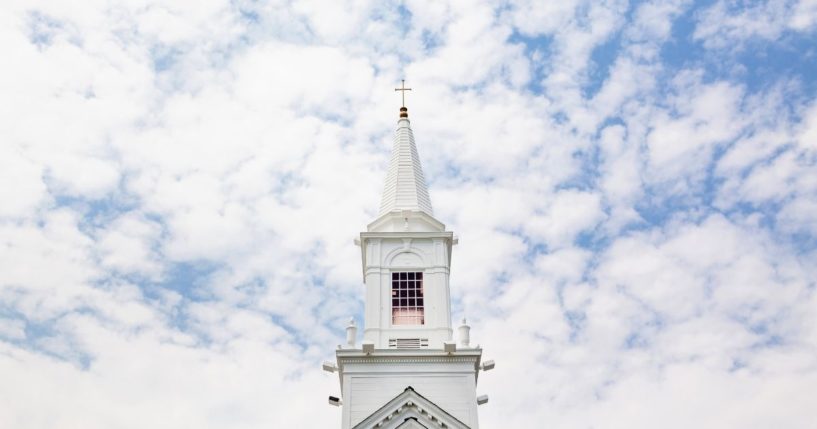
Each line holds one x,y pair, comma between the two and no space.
408,343
407,306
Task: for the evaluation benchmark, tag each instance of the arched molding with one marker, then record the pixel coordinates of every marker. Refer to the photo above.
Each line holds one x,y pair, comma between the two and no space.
416,254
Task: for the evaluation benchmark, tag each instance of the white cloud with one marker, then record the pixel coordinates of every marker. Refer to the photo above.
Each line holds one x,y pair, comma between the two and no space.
799,216
807,139
12,329
270,76
569,213
728,25
46,268
683,137
126,245
621,168
804,15
21,185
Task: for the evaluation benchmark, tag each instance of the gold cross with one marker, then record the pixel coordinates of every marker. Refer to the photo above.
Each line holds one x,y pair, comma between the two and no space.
403,91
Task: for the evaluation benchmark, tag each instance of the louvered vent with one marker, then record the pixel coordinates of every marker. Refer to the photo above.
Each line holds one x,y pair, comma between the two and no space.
408,343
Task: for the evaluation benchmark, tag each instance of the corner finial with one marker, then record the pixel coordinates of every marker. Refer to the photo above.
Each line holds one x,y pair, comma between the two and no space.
403,89
351,333
465,334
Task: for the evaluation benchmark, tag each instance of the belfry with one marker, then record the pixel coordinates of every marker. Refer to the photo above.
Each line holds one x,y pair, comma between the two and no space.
408,372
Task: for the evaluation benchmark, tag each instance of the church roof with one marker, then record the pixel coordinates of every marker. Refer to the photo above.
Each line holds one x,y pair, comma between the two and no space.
410,410
405,185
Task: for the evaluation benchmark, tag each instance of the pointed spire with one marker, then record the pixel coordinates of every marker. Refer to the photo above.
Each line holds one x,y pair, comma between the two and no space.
405,185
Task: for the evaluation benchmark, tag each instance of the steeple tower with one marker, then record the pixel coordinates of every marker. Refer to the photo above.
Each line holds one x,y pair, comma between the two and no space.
408,372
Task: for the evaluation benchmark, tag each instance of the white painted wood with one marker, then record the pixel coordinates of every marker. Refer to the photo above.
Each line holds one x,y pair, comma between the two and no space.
428,253
408,410
405,187
406,237
447,380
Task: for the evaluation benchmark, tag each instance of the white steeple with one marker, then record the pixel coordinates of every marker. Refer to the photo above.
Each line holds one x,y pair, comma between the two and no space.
405,185
407,372
406,256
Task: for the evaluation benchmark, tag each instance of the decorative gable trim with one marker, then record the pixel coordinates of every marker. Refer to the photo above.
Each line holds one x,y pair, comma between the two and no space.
411,423
410,410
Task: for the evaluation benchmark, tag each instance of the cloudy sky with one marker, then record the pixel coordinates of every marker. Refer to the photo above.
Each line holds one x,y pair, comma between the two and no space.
634,185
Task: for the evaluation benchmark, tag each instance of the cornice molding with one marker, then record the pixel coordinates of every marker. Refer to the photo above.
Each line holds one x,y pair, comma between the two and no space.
407,360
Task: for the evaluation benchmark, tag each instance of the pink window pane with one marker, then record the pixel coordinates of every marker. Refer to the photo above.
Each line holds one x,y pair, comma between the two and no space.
407,298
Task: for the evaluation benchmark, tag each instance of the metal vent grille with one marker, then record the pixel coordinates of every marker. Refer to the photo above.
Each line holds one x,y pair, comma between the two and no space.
408,343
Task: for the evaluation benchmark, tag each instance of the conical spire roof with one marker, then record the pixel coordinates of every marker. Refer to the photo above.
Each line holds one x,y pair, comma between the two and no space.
405,185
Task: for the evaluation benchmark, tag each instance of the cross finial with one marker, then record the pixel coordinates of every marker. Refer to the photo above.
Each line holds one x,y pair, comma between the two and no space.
403,90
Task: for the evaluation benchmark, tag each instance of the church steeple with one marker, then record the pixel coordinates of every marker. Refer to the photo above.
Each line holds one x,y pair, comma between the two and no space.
405,187
408,371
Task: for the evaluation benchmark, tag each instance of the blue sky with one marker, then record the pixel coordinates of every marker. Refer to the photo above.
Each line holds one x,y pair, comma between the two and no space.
633,185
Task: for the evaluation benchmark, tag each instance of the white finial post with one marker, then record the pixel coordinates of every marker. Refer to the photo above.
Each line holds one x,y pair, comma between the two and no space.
465,334
351,333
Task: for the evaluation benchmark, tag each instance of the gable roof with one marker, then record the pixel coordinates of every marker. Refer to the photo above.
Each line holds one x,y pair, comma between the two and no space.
410,410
